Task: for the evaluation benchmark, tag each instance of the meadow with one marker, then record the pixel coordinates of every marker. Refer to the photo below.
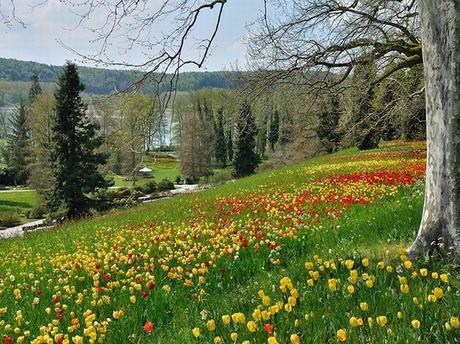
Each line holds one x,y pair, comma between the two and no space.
312,253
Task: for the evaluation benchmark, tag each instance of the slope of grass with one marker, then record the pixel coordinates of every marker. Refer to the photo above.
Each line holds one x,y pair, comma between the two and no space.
308,253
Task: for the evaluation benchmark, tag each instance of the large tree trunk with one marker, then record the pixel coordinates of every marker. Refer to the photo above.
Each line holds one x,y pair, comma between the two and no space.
440,226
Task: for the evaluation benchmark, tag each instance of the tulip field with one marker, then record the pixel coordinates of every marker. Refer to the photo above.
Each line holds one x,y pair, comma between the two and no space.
311,253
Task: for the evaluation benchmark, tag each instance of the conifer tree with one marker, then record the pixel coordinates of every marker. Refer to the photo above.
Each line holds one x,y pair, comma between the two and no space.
74,162
18,145
221,149
35,89
274,129
262,137
328,125
366,134
245,161
230,145
286,128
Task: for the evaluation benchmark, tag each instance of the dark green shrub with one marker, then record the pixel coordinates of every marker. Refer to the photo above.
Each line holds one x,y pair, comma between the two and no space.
165,184
150,187
37,212
221,176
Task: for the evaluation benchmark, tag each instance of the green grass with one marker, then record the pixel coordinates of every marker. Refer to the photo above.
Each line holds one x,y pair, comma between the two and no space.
137,243
18,202
163,167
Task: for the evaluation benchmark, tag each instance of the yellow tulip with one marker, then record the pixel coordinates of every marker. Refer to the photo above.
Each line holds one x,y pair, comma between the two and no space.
381,320
251,325
364,306
341,335
196,332
295,339
211,325
226,319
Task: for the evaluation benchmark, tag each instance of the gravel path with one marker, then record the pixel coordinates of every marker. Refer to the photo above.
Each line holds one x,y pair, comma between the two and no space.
18,230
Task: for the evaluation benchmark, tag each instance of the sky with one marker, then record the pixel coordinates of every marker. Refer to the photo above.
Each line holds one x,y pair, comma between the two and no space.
52,22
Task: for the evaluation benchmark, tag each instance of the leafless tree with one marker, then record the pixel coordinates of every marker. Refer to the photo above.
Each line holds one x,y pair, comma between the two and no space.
319,42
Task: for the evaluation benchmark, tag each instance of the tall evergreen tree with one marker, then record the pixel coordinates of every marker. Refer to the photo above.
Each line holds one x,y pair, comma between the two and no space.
414,121
19,145
389,130
230,145
328,125
245,161
274,129
262,137
35,89
286,128
366,134
221,149
74,162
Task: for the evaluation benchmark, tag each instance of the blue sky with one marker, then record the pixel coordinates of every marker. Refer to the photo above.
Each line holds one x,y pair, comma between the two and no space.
51,22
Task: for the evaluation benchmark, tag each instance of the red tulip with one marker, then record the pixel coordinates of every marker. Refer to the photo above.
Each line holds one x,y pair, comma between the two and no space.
268,328
148,327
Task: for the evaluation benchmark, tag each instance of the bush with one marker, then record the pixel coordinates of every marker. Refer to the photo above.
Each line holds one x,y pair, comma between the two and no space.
221,176
37,212
150,187
6,177
165,184
9,219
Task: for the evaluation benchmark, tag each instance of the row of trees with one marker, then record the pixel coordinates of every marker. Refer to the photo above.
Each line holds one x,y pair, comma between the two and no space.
214,131
293,122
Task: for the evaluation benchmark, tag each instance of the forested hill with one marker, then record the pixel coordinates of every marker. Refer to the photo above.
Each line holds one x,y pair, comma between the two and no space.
103,81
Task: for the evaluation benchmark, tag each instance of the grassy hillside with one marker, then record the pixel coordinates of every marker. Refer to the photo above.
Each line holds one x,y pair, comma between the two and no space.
310,253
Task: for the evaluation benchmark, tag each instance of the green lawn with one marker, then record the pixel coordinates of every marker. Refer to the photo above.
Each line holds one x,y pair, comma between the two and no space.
158,175
17,202
163,167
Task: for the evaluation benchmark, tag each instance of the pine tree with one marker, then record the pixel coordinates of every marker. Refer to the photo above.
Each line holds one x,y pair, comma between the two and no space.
274,129
328,125
245,161
18,145
35,89
221,149
74,163
388,130
262,137
286,128
230,145
413,126
365,132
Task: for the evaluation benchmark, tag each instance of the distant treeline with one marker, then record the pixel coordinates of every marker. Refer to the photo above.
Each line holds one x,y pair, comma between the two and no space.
104,81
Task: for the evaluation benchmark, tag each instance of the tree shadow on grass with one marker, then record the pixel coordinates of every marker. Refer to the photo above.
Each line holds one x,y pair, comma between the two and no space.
4,204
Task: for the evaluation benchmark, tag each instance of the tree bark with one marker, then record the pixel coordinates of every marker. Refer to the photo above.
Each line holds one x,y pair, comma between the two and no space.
440,225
